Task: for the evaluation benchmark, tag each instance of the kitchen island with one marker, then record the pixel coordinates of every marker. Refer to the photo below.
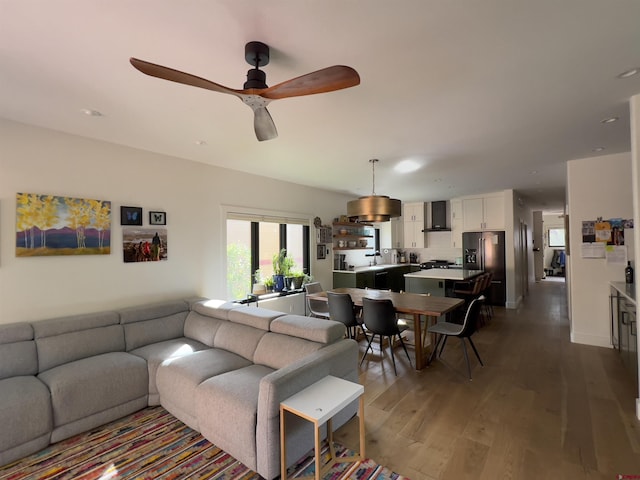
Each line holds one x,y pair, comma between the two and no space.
389,276
437,281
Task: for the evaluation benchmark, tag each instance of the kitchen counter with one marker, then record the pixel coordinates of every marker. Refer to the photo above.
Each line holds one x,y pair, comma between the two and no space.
453,274
377,268
437,281
627,290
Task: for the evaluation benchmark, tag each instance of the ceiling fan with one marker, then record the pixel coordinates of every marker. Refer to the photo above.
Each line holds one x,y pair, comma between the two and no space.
255,92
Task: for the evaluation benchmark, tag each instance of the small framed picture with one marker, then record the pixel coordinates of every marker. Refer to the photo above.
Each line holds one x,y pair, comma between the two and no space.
157,218
321,252
130,216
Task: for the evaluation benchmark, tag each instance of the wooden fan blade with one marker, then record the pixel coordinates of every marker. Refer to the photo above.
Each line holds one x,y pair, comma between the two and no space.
177,76
321,81
263,124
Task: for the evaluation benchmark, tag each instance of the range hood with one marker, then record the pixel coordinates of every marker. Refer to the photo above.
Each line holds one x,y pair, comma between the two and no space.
438,217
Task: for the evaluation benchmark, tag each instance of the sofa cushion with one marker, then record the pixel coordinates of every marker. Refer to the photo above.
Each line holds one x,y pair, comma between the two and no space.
25,411
178,378
226,407
153,323
156,353
310,328
254,317
84,387
202,328
239,339
18,354
64,340
215,308
277,351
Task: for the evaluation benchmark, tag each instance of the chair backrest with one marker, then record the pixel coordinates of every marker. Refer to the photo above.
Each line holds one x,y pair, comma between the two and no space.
313,287
379,316
471,317
341,309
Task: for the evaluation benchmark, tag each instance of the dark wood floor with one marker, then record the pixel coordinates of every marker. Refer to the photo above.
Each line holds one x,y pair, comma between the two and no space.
541,407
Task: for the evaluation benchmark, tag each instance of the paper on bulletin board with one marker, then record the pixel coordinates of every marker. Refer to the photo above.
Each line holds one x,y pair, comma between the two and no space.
593,250
616,254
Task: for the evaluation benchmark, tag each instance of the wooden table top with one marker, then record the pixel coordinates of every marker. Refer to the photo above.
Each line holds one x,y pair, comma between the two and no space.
412,303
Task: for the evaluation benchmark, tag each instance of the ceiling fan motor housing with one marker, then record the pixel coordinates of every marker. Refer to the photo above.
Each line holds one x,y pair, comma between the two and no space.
257,55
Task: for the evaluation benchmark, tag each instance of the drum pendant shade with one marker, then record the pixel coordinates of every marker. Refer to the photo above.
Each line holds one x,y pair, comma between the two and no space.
374,208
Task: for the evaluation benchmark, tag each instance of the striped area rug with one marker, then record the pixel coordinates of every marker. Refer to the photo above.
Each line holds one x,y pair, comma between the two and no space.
152,444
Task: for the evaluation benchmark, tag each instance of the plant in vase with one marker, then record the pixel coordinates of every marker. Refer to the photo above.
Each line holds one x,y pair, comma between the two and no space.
259,285
297,279
282,265
269,283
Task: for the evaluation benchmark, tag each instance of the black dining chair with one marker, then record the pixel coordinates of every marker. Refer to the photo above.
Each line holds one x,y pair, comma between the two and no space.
341,309
380,318
317,308
444,330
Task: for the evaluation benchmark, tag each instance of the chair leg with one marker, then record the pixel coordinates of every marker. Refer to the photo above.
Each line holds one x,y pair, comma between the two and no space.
367,349
435,349
466,357
443,344
393,358
475,350
404,348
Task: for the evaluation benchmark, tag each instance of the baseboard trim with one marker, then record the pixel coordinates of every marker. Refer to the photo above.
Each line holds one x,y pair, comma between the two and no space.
593,340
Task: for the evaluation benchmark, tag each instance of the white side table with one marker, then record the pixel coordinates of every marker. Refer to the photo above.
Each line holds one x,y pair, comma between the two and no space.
319,403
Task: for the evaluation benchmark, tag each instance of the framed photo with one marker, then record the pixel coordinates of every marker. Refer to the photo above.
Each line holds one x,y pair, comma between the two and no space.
321,252
157,218
130,216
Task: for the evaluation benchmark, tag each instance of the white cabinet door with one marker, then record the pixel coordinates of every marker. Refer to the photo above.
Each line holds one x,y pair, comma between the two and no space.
473,210
494,213
456,223
414,212
483,213
413,235
397,232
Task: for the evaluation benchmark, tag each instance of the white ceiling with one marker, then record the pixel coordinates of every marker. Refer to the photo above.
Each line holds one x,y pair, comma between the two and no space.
483,95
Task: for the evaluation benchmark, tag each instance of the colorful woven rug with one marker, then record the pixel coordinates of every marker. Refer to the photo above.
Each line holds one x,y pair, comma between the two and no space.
152,444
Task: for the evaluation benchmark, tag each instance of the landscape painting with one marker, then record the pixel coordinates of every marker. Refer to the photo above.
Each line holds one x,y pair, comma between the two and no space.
51,225
144,244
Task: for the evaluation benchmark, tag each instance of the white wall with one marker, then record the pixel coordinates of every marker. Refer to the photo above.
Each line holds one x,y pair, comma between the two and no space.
635,163
34,160
596,187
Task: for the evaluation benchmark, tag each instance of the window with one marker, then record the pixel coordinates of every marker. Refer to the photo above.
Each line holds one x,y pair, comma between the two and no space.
556,237
252,242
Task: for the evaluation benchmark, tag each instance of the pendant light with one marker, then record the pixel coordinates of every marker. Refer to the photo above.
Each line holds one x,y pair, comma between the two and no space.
374,208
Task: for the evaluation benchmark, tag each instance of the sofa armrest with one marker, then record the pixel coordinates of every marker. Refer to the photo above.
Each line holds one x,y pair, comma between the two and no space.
339,359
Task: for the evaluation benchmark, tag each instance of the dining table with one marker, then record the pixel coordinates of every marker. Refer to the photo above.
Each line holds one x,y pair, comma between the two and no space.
415,304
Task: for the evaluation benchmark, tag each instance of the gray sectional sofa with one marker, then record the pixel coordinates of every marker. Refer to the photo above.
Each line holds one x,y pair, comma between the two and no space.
220,367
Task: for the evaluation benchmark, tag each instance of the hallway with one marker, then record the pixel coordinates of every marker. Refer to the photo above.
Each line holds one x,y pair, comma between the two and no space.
541,407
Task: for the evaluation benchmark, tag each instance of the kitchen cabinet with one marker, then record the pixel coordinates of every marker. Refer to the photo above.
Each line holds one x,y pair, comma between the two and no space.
456,223
414,216
352,236
392,233
483,213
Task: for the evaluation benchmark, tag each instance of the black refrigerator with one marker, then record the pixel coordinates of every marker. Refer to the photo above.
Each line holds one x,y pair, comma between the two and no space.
486,251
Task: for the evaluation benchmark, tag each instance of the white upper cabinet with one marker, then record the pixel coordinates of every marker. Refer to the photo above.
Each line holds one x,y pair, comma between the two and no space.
414,216
483,213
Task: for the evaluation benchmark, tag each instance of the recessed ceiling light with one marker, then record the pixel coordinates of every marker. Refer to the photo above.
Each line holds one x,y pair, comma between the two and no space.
201,143
609,120
629,73
91,113
407,166
533,172
598,149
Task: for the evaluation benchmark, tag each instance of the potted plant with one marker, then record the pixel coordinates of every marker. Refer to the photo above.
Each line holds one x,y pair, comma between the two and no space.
282,265
258,286
297,279
268,283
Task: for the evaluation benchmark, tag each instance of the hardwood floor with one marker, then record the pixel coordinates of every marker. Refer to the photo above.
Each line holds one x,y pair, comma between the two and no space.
541,407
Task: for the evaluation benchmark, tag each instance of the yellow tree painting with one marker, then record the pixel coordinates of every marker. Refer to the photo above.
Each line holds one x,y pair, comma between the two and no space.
52,225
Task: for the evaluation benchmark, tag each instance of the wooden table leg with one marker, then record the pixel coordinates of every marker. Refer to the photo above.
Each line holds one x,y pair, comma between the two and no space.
317,452
418,341
362,433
